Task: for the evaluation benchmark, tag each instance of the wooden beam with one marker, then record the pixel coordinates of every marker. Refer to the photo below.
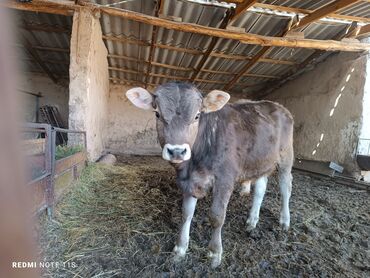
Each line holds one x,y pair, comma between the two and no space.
247,66
194,51
47,48
306,11
234,35
255,59
308,61
153,41
165,76
323,12
319,13
228,15
45,28
153,63
62,7
209,31
241,8
246,74
37,58
363,31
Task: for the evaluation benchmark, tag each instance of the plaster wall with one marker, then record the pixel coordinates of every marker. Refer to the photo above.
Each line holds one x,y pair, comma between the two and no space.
130,129
327,107
89,82
52,94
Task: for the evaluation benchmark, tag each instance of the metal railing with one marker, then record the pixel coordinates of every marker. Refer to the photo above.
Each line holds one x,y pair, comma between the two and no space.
44,182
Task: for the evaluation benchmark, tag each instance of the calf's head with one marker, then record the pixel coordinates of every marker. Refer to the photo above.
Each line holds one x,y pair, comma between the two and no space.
178,108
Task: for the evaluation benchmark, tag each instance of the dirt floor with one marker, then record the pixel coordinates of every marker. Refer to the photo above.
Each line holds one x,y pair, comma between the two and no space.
122,221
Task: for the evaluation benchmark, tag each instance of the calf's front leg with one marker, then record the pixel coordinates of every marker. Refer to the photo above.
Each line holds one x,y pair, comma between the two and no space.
188,208
217,217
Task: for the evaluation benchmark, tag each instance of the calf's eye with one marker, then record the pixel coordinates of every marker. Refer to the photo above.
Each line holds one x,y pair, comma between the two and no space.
157,114
197,116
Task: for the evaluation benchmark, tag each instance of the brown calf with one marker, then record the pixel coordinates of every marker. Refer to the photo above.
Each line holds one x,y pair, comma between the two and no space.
212,145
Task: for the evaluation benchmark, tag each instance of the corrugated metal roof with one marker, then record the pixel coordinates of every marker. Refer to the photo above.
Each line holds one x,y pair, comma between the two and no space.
56,62
135,68
206,15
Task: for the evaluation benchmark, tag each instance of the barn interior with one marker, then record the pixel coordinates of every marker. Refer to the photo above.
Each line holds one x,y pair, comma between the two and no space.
80,57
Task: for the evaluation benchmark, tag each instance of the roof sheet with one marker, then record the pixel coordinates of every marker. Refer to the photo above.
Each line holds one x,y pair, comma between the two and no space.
134,68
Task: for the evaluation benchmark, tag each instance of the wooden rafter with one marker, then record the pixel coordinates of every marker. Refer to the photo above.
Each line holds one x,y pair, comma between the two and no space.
323,12
158,8
45,28
126,58
46,48
37,58
361,32
250,64
62,7
194,51
165,76
228,15
307,12
236,35
194,28
319,13
241,8
308,61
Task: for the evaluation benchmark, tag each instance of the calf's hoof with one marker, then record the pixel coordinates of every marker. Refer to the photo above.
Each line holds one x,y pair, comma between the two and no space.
215,259
179,253
251,223
284,223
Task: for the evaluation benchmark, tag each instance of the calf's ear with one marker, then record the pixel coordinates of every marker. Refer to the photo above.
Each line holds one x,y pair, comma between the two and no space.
214,101
140,98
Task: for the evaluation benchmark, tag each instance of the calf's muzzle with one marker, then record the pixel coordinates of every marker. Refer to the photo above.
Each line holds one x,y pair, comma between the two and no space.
176,153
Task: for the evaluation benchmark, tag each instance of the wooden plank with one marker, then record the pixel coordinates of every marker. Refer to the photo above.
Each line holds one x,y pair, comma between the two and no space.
66,163
323,12
62,7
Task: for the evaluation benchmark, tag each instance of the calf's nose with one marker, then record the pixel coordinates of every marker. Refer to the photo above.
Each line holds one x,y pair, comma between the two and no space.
176,153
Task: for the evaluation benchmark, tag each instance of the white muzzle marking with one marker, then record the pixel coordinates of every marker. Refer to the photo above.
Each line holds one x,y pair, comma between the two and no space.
168,148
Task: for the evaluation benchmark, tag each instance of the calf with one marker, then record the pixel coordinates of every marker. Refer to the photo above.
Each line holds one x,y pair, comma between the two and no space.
212,145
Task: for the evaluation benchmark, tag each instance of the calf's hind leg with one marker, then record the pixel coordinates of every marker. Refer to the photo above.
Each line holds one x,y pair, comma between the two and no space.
285,184
259,193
